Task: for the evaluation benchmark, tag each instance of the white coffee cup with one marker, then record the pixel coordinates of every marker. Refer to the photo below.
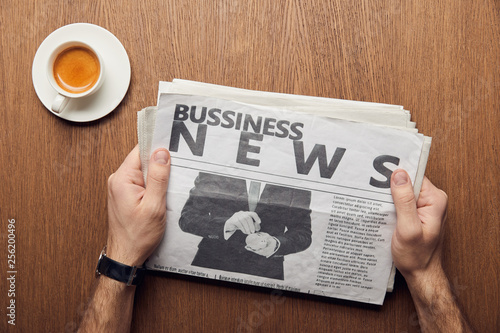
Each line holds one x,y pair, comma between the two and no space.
74,70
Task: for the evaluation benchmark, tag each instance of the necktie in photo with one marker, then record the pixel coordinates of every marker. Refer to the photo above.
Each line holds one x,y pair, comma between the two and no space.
253,195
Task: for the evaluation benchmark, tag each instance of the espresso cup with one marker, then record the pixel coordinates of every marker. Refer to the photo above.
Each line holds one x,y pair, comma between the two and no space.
74,70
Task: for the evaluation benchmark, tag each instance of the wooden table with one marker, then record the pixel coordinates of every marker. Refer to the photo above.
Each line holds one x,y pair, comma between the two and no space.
440,59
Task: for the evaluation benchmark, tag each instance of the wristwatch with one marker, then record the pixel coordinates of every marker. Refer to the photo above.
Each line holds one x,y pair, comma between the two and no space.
131,275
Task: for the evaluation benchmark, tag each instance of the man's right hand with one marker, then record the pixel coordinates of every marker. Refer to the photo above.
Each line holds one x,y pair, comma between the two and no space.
416,243
247,222
416,251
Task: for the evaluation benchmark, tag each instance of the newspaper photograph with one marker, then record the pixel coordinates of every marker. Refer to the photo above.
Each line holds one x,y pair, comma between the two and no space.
270,197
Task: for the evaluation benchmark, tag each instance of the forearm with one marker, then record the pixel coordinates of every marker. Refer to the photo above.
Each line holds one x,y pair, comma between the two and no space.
110,309
435,303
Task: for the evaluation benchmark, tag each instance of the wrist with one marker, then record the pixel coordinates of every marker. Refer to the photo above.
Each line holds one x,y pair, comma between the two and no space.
130,275
416,272
115,286
127,257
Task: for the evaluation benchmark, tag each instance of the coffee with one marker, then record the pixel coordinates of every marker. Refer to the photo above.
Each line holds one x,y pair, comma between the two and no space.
76,69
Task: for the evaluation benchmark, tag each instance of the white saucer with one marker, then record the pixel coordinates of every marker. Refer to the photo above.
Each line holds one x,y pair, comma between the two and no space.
116,66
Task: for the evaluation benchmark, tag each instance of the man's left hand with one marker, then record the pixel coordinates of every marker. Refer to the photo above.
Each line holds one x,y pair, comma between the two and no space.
137,213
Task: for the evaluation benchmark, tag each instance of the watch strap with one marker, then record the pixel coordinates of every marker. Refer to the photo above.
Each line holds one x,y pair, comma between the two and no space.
131,275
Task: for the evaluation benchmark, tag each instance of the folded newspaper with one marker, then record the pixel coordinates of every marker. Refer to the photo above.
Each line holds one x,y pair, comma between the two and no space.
280,191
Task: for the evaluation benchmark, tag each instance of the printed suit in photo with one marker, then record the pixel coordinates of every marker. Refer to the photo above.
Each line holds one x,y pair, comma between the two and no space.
284,214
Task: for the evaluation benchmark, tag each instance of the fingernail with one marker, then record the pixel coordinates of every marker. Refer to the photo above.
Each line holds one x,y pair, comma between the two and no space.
400,178
162,157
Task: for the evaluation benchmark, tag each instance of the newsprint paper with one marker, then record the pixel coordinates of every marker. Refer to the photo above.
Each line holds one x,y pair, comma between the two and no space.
271,197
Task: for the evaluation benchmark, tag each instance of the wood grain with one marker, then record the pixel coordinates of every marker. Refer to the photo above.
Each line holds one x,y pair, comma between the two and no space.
439,59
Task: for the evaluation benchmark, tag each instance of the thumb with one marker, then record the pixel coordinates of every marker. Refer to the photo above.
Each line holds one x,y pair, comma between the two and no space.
158,176
404,201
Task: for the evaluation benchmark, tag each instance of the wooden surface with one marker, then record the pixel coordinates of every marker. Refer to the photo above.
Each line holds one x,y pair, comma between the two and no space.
440,59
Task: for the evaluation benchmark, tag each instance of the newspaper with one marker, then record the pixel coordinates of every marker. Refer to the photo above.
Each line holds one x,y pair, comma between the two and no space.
377,113
324,215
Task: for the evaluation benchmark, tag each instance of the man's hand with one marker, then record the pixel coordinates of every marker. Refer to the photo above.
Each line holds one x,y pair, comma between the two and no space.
416,243
416,251
137,214
135,227
247,222
262,244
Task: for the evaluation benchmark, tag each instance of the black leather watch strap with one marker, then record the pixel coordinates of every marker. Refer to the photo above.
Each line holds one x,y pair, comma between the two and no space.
131,275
